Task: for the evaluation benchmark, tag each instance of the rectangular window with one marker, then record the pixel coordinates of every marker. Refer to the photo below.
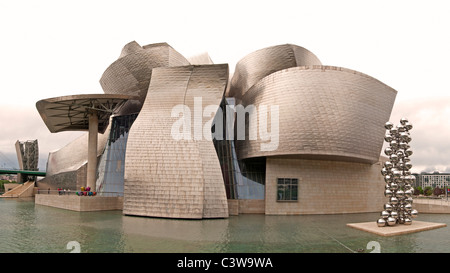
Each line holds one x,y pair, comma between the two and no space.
287,189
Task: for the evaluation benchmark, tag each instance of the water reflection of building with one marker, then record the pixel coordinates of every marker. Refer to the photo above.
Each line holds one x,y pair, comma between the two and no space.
325,158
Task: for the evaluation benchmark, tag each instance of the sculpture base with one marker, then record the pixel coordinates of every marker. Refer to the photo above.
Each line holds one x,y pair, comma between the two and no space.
398,229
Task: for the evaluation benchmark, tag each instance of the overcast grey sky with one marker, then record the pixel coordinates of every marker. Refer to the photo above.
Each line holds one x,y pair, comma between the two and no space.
55,48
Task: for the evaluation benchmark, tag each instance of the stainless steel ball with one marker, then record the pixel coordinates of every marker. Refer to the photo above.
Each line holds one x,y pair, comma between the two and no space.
393,158
399,193
408,126
391,221
387,207
388,165
396,173
388,125
408,152
394,186
402,145
388,193
403,121
381,222
387,178
393,131
388,151
388,137
414,213
408,207
408,193
403,136
394,214
393,200
408,221
384,214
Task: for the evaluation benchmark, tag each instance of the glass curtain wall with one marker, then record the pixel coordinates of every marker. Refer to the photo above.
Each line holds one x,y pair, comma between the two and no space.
244,179
110,179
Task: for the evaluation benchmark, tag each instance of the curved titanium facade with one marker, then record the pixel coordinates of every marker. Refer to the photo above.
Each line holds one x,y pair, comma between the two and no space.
256,65
130,74
166,165
66,167
321,111
170,177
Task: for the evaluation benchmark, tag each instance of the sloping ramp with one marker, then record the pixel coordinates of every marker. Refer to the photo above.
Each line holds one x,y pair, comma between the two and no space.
24,190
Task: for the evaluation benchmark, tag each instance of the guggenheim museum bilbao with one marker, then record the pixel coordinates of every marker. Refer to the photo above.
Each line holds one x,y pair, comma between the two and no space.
181,137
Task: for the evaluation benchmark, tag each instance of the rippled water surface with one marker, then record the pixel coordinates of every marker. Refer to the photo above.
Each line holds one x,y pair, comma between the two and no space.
26,227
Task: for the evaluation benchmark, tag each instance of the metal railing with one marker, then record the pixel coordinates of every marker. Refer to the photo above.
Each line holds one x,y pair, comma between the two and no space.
74,193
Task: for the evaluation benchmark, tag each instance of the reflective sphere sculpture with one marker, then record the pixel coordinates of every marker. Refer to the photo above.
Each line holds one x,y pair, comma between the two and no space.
388,125
388,151
381,222
408,221
388,193
393,200
399,193
388,207
408,126
408,207
394,214
403,121
393,186
391,221
397,175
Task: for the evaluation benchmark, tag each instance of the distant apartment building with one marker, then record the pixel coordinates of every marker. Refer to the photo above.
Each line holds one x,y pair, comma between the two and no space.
435,179
8,177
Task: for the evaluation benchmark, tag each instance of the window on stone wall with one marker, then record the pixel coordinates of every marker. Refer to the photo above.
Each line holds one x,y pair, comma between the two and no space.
287,189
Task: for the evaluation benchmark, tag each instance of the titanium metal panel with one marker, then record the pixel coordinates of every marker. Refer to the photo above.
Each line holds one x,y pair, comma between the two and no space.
74,155
321,113
130,74
166,177
257,65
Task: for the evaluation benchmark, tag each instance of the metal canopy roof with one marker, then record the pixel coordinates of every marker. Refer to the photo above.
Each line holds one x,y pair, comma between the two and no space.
71,113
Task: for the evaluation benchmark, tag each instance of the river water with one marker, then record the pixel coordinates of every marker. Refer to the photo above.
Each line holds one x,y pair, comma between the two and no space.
29,228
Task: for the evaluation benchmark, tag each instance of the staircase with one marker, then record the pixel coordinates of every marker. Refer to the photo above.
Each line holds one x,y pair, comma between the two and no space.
24,190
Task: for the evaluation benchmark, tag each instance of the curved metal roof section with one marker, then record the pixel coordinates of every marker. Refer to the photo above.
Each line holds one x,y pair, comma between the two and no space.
324,112
71,113
258,64
130,74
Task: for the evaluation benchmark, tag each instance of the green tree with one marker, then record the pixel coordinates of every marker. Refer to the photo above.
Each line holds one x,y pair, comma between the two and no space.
418,190
428,191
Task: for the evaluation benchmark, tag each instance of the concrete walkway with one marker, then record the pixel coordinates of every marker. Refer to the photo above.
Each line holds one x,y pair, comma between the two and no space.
424,205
